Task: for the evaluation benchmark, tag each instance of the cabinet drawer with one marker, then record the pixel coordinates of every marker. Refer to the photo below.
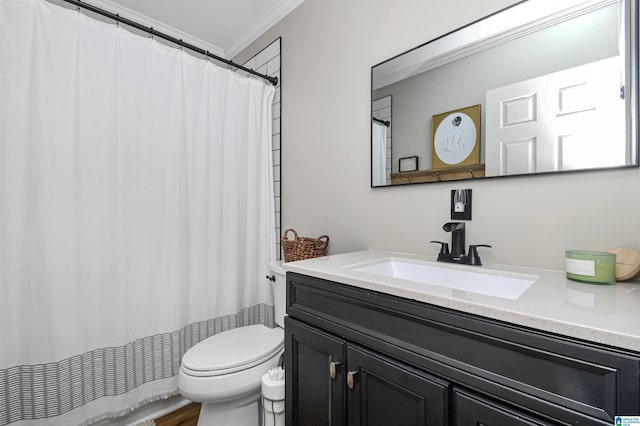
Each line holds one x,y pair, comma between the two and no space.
566,378
469,409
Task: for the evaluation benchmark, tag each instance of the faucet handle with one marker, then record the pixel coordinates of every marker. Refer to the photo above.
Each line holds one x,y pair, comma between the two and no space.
444,247
473,257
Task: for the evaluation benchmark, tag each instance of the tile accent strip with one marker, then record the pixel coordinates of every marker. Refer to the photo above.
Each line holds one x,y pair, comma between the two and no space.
268,61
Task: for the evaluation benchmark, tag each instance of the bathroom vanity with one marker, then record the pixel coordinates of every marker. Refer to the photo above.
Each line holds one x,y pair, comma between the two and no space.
369,346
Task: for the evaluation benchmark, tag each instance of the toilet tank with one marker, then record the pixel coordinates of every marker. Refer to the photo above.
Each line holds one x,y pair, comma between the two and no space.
279,292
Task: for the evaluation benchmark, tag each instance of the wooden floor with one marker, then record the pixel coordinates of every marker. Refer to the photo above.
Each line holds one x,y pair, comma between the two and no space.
186,416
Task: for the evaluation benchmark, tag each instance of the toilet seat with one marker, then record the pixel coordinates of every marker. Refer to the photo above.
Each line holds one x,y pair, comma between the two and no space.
233,350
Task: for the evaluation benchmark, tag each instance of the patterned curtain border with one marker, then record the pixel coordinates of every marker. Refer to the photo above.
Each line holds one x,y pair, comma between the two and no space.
31,392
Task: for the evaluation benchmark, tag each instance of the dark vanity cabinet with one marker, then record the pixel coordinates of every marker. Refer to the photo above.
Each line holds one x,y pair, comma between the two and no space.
328,375
315,389
470,409
357,357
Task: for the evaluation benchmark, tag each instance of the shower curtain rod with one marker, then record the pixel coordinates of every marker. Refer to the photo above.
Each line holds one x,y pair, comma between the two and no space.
116,17
385,122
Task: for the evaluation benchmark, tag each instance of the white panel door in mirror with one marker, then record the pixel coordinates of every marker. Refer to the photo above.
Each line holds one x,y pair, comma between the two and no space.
556,120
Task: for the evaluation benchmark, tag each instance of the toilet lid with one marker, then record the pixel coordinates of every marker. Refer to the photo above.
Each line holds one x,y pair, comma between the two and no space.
233,350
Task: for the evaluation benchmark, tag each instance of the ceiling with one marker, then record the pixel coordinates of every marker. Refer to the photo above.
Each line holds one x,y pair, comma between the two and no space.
223,27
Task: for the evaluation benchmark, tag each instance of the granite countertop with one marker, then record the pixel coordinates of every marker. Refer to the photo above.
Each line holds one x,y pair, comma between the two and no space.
607,314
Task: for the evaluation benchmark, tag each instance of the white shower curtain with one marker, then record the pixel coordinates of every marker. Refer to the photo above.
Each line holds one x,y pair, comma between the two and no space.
378,154
136,212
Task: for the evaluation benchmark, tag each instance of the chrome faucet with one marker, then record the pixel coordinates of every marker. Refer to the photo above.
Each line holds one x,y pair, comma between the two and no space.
457,253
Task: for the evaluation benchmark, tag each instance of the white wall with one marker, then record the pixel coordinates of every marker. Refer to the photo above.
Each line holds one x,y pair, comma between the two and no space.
328,48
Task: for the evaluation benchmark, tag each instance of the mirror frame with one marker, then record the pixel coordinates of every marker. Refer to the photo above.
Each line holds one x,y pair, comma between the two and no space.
632,110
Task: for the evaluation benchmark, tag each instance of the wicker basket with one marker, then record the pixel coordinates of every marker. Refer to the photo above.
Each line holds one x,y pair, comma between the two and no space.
303,247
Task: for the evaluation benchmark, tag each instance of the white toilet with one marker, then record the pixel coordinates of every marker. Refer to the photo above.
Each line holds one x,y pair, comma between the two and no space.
224,372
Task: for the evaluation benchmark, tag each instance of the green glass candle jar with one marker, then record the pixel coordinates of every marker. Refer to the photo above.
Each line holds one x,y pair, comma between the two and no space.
598,267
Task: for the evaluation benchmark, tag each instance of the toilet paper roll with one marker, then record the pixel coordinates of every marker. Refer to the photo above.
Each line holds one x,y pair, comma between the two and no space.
272,389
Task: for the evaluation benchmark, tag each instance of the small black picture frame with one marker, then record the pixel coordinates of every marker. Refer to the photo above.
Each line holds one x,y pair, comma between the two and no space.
408,164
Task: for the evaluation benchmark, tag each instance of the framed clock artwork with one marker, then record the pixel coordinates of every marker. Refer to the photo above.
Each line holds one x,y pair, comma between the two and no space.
456,138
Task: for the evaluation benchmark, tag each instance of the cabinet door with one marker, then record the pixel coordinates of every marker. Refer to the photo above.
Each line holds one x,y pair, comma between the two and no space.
384,392
472,410
314,395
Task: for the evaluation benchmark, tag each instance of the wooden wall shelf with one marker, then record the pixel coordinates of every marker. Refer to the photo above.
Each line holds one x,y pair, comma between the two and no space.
438,175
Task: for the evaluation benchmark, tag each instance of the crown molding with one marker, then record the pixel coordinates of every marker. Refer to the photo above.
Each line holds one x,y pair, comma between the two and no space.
268,20
145,20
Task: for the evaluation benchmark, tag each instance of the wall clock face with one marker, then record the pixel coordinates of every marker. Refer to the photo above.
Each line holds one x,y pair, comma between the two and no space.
455,138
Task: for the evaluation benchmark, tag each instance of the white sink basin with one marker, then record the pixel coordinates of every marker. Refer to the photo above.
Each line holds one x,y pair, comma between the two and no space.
489,282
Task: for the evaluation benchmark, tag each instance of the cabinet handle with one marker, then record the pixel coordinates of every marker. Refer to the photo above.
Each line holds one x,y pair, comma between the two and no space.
350,381
332,368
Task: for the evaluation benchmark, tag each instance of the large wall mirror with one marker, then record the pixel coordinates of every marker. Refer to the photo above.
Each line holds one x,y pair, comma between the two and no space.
539,87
